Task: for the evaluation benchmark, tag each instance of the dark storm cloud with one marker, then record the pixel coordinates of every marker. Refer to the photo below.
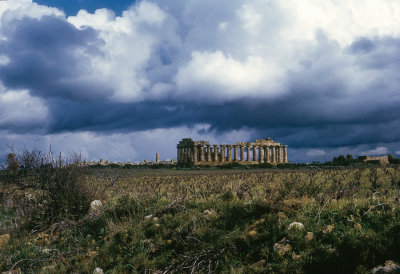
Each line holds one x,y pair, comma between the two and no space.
48,56
362,45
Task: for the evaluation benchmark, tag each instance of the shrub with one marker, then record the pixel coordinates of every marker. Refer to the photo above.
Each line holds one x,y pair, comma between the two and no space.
51,187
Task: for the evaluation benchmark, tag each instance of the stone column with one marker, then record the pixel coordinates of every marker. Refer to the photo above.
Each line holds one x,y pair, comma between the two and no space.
241,153
202,153
285,150
208,153
277,154
268,154
273,154
229,153
177,154
248,153
281,154
261,155
188,157
195,154
254,153
215,153
235,153
223,152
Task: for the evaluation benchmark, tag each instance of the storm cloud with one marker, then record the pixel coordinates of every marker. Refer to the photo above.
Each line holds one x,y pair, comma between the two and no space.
321,77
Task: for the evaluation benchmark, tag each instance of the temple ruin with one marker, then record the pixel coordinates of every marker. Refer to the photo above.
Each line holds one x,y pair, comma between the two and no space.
260,151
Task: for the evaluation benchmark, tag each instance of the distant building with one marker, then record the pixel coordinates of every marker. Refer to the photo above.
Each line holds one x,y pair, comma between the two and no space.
202,153
380,160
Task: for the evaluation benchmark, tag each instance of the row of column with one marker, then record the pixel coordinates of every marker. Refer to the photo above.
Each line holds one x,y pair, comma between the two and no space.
223,153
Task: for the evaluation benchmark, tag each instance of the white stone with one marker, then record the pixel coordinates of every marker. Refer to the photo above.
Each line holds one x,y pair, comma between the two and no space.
98,270
296,225
96,204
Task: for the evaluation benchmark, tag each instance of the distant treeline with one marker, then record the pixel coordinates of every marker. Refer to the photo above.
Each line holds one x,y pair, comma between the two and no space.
338,161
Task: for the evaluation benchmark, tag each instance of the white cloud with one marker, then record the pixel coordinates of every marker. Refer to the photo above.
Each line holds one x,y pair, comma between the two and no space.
4,60
18,108
316,153
210,72
342,20
17,9
376,151
129,45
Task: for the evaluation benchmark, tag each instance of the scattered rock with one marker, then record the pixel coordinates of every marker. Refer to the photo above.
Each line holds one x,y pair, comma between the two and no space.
389,267
46,250
309,236
98,270
210,213
296,257
42,238
328,229
282,247
252,233
96,205
296,225
4,239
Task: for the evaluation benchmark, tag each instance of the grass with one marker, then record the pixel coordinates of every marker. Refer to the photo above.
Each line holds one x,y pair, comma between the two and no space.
226,221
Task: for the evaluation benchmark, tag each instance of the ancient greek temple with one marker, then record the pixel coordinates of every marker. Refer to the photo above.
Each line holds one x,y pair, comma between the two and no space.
260,151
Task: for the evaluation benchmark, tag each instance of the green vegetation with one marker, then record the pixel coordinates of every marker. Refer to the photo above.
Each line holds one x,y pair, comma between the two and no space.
274,220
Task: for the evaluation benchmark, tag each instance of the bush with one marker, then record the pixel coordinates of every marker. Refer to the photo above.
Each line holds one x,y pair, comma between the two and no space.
49,187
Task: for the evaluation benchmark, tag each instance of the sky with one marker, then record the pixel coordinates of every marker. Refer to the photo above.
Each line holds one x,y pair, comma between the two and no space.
122,80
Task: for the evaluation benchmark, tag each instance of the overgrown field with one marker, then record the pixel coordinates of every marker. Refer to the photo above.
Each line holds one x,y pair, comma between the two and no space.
238,221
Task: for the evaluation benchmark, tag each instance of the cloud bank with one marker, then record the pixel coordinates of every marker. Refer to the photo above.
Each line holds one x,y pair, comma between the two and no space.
320,76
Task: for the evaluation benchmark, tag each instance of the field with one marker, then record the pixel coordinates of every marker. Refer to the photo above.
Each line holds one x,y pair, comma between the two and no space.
337,220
